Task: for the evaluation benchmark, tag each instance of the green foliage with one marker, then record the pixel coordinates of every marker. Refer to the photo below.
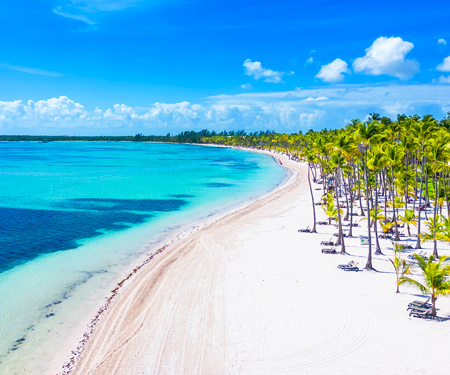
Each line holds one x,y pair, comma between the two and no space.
435,277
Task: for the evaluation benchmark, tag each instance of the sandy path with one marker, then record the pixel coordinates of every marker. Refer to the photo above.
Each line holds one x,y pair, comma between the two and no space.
251,295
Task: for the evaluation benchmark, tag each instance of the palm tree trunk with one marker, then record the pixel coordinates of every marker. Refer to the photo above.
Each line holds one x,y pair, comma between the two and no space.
415,180
340,237
383,175
359,189
435,252
433,305
397,237
369,256
406,182
350,184
427,199
312,199
346,199
378,248
446,197
420,203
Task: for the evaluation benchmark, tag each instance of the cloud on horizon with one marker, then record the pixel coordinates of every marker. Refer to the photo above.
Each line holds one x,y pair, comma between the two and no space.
285,111
387,56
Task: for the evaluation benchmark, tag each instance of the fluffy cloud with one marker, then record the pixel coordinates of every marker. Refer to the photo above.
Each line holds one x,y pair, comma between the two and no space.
257,71
333,72
284,111
387,56
445,65
442,41
443,79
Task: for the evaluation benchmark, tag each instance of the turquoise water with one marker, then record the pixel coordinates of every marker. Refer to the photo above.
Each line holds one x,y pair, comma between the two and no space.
74,215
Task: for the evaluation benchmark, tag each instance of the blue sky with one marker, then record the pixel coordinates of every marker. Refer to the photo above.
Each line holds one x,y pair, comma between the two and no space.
128,66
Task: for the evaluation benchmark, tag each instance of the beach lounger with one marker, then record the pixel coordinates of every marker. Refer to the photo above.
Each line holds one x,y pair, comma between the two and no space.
418,304
329,251
327,243
421,313
322,223
348,265
356,269
306,230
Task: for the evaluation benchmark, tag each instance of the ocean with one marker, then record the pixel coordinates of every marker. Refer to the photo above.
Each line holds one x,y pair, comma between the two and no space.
75,215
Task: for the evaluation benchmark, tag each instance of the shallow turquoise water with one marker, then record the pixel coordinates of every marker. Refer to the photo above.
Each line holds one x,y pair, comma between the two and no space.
72,215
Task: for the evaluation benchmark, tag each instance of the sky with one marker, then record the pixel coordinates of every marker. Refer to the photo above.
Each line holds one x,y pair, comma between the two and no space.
121,67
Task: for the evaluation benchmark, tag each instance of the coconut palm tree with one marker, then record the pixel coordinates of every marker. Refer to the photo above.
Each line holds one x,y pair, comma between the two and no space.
310,159
394,156
422,131
329,207
437,151
408,218
400,266
343,148
435,275
367,134
376,162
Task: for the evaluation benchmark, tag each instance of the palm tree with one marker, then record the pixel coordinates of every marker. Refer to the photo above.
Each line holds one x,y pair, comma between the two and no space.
422,131
400,266
408,218
394,156
329,208
437,151
376,163
436,281
310,159
367,134
343,148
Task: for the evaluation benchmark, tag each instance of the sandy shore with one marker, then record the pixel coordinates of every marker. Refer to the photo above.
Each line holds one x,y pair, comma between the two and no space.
249,294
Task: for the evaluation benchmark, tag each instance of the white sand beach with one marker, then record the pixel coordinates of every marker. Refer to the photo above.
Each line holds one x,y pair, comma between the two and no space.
249,294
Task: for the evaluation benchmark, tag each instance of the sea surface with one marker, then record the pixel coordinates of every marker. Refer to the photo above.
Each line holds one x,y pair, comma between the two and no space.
75,215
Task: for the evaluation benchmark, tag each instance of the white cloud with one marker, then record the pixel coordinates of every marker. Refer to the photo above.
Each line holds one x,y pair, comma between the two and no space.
445,65
29,70
311,99
443,79
257,71
334,71
102,5
246,86
442,41
387,56
310,60
77,9
77,17
284,111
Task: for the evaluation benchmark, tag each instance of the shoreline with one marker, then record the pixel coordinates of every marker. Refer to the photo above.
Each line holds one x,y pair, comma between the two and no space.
165,242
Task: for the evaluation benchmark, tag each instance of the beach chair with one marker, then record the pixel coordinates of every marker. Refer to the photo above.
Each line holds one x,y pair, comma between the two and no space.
306,230
329,251
356,269
421,312
322,223
349,264
418,304
327,243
